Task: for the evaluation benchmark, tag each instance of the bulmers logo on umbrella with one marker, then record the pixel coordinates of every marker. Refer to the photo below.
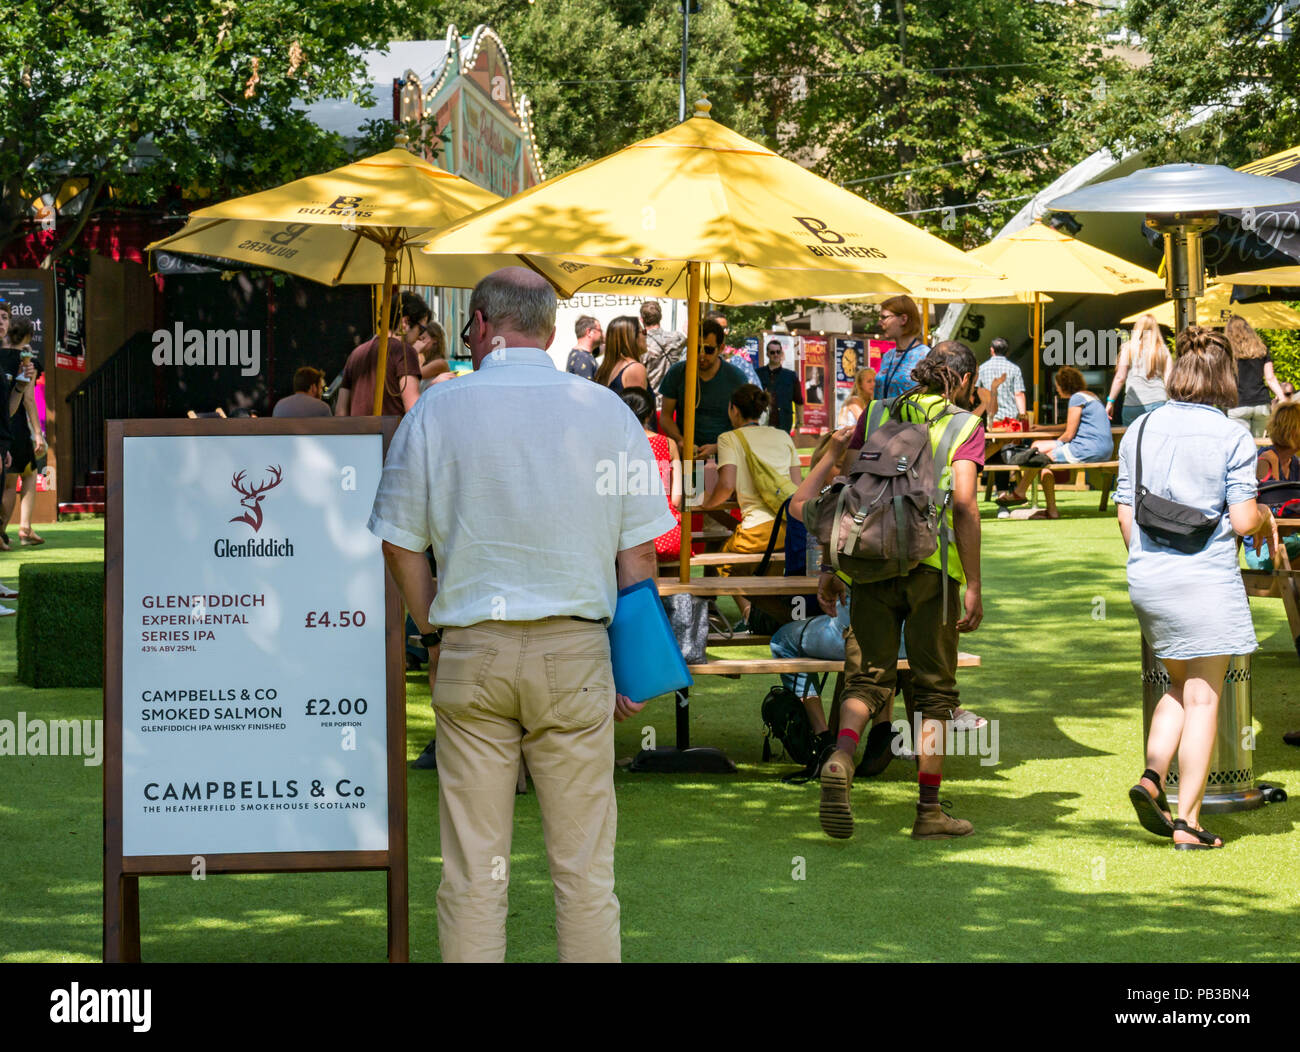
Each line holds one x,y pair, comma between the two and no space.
345,205
834,243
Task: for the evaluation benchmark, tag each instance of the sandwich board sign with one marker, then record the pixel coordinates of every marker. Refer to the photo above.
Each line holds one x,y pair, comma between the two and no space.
254,688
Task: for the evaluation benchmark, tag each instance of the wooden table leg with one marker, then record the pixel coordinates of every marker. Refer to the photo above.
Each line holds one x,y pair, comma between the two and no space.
399,930
833,720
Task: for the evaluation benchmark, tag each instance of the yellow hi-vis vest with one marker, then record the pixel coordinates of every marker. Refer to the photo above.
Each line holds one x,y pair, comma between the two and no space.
948,430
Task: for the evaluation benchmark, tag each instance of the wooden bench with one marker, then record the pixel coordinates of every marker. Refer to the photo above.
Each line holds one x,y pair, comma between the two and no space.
990,470
713,586
737,639
685,758
1262,584
1108,468
728,558
770,666
682,757
1278,584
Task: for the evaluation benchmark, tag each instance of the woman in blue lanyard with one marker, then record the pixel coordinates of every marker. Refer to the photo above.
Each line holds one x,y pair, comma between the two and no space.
900,321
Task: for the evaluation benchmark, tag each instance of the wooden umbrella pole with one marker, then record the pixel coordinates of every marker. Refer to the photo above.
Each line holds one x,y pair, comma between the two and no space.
1038,341
385,309
688,407
925,322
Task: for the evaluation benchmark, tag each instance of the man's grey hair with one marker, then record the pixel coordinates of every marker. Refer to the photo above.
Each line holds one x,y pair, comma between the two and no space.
584,325
517,300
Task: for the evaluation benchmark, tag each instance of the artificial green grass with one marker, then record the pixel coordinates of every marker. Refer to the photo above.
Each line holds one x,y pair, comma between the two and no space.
1057,870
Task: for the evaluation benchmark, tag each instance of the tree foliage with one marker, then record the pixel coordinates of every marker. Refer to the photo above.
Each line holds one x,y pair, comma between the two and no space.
147,95
1221,58
1284,344
926,108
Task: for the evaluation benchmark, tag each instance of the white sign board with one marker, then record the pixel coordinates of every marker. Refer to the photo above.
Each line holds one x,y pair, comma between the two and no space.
253,665
604,308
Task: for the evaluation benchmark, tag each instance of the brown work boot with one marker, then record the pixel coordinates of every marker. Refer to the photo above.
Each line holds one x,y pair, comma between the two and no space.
835,812
933,822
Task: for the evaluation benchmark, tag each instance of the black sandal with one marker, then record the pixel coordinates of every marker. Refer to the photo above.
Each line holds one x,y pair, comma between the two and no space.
1150,809
1207,840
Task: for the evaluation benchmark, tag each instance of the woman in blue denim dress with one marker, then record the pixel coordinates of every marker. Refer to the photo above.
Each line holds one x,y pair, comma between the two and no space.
1192,606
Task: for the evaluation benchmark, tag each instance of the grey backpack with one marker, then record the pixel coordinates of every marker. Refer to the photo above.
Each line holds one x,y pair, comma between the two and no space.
887,515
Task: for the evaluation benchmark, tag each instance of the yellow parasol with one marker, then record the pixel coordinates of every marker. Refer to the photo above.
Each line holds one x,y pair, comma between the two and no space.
1041,259
946,290
1216,307
1276,276
358,225
701,195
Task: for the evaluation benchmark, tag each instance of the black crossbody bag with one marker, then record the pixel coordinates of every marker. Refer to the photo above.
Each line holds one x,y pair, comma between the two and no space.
1169,523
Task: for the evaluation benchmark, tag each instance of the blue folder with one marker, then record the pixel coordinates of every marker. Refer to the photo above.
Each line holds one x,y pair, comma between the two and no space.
647,660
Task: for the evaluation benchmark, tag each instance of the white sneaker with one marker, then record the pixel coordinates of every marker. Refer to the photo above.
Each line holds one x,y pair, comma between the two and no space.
6,592
7,611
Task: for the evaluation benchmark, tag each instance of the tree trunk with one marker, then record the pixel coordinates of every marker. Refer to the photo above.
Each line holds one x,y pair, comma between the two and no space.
70,238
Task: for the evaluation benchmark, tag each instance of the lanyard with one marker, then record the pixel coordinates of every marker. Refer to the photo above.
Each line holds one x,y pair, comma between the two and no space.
898,362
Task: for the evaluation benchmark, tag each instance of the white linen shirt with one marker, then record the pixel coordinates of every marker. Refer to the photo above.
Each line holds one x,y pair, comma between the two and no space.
527,482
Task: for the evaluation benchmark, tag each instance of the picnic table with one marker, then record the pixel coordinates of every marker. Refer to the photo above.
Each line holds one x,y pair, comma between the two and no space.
684,757
996,440
1278,584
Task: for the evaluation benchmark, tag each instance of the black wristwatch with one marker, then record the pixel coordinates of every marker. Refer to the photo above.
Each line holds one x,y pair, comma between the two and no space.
827,568
431,639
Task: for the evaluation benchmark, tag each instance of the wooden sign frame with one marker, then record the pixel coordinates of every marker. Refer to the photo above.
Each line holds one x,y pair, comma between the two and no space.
122,873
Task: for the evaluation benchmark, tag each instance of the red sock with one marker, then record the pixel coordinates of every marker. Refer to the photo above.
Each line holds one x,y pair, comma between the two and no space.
847,741
929,787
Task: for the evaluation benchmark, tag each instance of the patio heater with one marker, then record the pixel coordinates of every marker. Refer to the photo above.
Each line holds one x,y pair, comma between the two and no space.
1182,202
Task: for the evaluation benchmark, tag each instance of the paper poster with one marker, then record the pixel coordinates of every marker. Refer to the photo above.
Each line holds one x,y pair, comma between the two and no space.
26,301
876,350
816,416
70,348
849,353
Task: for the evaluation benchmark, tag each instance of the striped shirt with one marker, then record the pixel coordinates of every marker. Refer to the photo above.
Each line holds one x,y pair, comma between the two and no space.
996,366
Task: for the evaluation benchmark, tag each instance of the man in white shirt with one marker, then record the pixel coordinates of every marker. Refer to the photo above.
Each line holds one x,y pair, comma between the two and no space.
505,473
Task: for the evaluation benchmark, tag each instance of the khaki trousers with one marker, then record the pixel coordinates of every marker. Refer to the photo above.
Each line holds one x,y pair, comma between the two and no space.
543,690
911,606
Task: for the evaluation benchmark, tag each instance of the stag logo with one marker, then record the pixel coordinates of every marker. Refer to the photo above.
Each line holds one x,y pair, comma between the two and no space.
252,499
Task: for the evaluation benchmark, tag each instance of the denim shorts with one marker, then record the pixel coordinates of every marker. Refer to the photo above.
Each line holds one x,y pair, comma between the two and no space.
1062,454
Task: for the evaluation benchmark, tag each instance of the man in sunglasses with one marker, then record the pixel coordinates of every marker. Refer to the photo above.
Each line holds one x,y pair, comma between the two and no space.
784,387
734,355
715,382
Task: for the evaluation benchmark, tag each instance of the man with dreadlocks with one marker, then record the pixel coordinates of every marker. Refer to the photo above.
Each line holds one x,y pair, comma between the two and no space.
927,611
